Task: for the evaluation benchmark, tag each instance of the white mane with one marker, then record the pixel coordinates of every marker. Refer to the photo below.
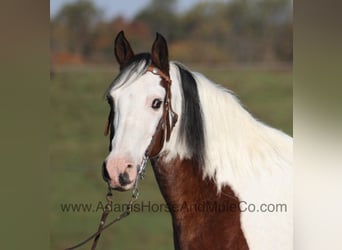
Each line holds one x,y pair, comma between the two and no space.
236,144
254,159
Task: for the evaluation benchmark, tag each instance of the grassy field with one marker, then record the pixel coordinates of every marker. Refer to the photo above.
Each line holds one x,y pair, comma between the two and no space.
78,113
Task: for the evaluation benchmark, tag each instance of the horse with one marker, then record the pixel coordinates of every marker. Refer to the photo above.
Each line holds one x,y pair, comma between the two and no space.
215,164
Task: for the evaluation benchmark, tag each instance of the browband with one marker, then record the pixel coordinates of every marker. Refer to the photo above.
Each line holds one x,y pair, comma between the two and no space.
156,71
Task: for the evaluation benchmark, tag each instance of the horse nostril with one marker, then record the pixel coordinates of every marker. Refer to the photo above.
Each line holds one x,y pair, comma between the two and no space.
105,174
129,166
124,179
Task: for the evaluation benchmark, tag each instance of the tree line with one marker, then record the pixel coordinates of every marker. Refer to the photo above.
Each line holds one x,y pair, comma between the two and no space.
237,31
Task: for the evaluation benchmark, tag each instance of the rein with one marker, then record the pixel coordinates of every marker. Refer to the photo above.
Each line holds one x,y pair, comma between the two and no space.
162,133
102,226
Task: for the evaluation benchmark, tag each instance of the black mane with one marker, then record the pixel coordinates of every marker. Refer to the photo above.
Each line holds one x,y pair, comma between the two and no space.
191,126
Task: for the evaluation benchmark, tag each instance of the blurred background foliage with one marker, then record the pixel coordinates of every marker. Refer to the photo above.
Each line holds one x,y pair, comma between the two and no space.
245,45
236,31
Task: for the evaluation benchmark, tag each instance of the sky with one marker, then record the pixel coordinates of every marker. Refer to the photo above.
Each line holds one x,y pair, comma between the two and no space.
126,8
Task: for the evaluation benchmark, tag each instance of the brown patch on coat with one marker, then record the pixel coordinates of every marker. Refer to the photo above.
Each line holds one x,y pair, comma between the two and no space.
184,189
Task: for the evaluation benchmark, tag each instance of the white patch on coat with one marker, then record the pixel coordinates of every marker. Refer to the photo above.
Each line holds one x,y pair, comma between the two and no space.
254,159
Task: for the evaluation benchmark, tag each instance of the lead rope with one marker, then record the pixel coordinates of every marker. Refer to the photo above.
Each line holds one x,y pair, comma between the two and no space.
141,172
104,216
102,226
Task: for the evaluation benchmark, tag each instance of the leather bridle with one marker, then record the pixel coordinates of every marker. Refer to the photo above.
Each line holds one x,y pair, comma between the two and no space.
167,121
162,133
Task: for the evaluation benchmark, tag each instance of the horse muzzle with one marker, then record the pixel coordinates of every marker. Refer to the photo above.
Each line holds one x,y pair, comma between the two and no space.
119,174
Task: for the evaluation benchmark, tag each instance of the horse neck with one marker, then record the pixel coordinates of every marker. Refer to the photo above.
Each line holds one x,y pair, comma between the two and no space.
188,195
237,146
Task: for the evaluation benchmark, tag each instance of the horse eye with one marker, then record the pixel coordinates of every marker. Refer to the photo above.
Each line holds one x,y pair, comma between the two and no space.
156,103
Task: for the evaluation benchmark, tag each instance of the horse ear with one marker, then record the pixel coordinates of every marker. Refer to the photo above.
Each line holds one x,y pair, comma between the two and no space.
160,54
122,49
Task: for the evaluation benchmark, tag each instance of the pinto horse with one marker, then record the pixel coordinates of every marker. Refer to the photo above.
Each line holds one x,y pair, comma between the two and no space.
221,172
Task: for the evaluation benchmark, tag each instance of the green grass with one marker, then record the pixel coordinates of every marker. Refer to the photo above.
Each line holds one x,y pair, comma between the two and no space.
78,147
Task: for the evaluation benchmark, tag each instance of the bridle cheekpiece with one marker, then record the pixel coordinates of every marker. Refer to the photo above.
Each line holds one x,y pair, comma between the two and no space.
163,132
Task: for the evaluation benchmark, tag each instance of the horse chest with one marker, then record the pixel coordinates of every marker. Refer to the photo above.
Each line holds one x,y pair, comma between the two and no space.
202,219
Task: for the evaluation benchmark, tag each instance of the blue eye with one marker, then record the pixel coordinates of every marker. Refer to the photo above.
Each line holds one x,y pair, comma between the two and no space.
156,103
